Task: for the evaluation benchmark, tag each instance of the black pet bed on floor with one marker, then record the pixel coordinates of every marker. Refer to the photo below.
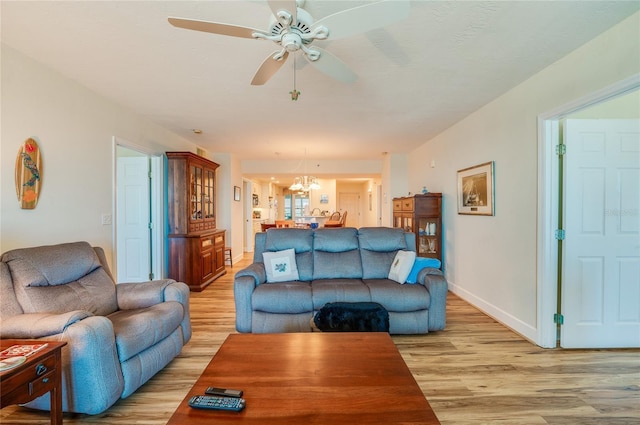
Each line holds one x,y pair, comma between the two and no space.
352,317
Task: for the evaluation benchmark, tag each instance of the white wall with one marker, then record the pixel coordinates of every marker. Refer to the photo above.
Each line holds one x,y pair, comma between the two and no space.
369,217
491,261
321,168
74,128
229,213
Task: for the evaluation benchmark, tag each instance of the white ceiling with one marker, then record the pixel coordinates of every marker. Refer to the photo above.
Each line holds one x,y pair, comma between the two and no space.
416,77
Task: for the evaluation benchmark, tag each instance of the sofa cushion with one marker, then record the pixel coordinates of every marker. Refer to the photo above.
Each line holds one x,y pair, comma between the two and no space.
304,261
336,239
382,239
336,254
283,297
396,297
284,238
61,278
379,246
51,265
280,266
138,329
9,305
377,264
95,293
401,266
328,265
331,290
301,240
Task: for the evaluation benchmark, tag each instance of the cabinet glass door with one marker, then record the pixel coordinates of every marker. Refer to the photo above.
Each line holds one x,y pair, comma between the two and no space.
196,192
427,233
208,198
408,224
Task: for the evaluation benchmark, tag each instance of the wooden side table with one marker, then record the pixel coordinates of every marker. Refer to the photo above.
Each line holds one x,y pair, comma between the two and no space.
39,374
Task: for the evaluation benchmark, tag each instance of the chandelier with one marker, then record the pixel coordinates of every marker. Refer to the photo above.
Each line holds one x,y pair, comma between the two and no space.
305,184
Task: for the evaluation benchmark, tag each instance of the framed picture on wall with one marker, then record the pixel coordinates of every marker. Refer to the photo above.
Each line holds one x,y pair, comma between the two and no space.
476,190
236,193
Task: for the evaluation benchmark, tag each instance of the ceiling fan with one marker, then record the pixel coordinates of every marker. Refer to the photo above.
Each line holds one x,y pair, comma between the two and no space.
295,30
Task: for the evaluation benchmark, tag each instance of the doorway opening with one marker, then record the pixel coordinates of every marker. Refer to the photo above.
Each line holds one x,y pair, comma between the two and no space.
550,205
139,214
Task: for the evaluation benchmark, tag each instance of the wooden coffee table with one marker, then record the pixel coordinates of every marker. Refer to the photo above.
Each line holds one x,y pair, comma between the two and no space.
311,378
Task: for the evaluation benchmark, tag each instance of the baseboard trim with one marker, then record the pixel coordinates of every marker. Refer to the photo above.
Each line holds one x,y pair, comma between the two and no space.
523,329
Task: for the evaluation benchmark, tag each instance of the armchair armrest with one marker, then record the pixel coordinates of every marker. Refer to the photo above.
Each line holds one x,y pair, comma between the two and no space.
436,284
141,295
146,294
39,325
89,361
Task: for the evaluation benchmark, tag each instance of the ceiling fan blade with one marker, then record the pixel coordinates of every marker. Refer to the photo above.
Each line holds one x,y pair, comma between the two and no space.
214,27
268,68
288,5
330,65
364,18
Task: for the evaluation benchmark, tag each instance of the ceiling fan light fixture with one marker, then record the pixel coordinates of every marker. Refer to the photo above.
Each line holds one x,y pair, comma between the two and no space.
293,29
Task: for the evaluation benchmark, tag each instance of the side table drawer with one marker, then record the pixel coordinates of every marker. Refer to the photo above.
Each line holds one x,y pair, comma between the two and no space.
30,383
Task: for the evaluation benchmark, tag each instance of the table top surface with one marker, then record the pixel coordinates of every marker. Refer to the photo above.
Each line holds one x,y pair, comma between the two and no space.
311,378
6,343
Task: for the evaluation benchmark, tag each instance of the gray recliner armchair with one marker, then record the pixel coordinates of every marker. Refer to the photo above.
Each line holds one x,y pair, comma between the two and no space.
118,336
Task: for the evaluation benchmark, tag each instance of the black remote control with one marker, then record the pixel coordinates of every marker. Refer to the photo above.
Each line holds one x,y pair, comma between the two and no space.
223,392
217,403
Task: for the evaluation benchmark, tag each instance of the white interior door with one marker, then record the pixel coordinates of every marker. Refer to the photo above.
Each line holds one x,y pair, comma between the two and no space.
350,202
133,224
601,273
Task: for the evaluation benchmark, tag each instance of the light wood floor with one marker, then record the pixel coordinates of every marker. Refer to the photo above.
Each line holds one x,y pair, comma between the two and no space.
474,372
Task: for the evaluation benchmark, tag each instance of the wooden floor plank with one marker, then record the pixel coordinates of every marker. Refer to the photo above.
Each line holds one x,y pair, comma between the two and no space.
474,372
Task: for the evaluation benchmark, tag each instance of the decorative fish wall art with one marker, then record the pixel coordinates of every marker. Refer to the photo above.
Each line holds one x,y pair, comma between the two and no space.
28,174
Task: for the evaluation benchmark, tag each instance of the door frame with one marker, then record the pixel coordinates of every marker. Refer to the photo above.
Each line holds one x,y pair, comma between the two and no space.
156,159
547,221
247,216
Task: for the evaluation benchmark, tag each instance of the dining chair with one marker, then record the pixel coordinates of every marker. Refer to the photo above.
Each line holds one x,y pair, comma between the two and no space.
285,223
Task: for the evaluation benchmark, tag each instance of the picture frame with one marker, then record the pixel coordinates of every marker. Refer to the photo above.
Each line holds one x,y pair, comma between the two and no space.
236,193
476,189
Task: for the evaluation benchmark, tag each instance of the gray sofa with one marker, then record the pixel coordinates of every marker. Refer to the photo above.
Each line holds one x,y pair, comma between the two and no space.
341,264
118,336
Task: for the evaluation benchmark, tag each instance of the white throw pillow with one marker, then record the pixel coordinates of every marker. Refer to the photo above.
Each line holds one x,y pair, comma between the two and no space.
401,266
280,265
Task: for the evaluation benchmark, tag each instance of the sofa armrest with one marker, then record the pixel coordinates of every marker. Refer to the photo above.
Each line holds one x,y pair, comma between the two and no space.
141,294
245,281
39,325
256,271
436,284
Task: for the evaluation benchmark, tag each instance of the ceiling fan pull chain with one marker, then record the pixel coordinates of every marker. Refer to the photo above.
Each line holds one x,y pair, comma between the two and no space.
295,93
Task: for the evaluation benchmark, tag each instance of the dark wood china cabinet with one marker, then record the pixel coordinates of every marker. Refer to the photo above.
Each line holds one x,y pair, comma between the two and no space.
196,246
